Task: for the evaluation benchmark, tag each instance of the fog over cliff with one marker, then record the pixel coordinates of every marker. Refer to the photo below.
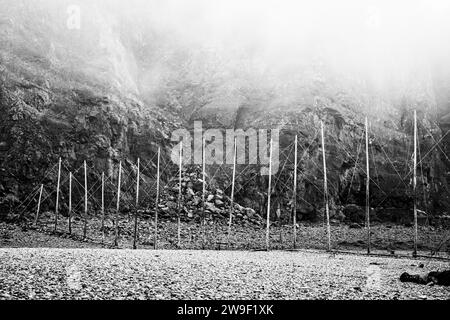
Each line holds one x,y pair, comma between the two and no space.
111,80
386,49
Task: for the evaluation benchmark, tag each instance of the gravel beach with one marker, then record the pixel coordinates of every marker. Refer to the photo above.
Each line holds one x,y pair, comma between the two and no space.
41,273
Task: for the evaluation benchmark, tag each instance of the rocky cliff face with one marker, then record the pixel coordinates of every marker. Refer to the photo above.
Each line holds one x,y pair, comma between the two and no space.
297,107
68,94
114,90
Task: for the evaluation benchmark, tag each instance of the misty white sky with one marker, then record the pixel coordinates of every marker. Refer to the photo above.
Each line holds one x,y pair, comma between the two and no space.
381,39
385,45
389,25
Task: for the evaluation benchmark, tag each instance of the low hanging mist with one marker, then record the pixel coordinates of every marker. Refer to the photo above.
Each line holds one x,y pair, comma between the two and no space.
221,52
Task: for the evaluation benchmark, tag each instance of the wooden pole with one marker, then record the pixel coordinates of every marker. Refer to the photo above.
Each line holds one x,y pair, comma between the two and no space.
39,205
295,193
190,235
232,193
137,204
116,236
179,196
85,201
367,188
157,201
269,191
57,195
203,192
70,203
325,186
415,183
103,206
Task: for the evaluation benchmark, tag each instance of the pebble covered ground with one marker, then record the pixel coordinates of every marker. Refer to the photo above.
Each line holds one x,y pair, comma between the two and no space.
41,273
385,237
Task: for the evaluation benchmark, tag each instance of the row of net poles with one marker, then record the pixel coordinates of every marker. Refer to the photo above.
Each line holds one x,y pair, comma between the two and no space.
57,195
103,207
203,222
230,220
415,183
85,202
367,188
69,218
325,186
155,240
269,191
116,220
294,196
39,205
179,195
70,207
137,206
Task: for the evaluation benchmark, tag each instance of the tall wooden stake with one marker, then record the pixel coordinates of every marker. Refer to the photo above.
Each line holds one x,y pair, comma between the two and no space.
70,203
157,201
203,192
116,237
103,206
39,205
179,196
269,191
367,188
232,193
57,195
137,204
325,186
295,193
415,183
85,201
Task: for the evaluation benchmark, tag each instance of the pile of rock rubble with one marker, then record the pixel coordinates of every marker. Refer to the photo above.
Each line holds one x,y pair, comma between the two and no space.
217,203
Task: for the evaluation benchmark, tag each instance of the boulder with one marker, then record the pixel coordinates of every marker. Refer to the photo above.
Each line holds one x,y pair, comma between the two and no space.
334,222
211,207
355,225
354,213
171,204
189,195
247,202
219,203
306,212
397,215
435,277
250,212
197,185
238,207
